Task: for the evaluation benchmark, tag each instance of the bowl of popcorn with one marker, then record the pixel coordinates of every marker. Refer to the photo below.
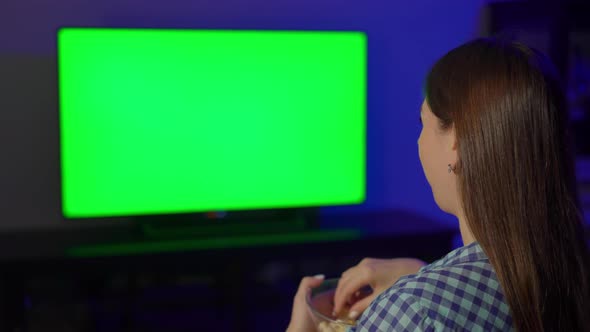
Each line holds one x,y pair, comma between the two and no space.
320,301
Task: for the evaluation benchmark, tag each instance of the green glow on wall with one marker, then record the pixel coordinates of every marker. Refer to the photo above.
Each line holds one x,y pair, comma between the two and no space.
263,240
170,121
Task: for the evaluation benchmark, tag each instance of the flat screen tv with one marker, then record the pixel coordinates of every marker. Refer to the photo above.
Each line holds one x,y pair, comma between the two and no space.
168,121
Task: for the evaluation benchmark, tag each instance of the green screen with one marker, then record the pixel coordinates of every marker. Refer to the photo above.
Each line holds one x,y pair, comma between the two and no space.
175,121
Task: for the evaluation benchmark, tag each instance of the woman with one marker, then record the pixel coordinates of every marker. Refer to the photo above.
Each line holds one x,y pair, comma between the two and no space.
494,149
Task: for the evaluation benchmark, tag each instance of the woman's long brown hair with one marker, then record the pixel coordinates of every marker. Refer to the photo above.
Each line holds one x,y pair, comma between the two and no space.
516,177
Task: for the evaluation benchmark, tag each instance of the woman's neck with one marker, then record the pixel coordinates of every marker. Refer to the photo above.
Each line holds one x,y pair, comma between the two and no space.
466,234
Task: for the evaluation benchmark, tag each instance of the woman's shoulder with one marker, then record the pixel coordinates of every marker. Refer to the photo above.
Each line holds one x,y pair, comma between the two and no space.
465,296
459,292
426,310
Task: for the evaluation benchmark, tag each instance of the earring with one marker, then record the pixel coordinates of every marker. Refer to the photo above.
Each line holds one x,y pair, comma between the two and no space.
451,168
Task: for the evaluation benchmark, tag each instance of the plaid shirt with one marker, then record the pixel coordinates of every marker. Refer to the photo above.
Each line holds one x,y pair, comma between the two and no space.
459,292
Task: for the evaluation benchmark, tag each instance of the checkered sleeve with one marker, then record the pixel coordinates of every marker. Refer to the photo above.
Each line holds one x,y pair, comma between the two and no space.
400,312
457,293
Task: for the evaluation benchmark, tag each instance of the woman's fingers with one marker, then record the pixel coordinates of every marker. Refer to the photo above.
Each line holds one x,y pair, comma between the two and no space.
340,295
305,285
346,290
300,316
309,282
344,279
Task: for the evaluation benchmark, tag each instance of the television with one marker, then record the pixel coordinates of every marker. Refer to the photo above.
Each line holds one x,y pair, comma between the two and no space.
177,121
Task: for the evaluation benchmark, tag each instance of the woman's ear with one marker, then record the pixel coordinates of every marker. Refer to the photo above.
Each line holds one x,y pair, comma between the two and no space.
453,144
452,137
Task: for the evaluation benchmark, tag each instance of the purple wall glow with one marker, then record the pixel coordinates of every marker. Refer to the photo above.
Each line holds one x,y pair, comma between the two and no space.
405,38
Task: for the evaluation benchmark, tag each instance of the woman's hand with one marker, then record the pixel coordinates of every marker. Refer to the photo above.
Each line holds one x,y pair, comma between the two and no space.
301,320
379,274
